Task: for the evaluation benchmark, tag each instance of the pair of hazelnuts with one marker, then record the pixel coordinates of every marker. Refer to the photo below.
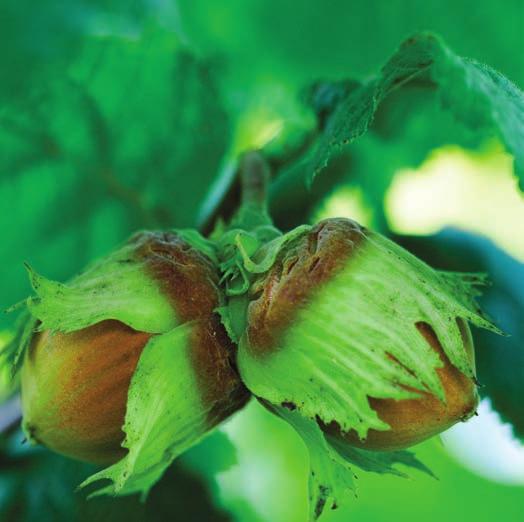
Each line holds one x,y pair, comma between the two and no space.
344,328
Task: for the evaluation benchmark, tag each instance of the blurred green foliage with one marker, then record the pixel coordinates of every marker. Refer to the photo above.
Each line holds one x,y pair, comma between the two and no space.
38,485
119,115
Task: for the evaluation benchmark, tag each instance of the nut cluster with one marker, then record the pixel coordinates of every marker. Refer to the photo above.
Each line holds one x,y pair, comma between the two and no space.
356,343
75,384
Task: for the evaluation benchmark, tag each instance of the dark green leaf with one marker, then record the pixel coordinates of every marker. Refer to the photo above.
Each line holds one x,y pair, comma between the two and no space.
38,485
476,95
129,135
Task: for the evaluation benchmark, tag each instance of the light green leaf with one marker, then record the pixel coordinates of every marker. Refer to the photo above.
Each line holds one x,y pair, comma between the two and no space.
199,242
500,360
234,316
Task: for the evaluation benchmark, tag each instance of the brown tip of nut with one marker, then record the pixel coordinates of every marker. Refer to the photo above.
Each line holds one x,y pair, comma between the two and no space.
222,391
186,276
300,269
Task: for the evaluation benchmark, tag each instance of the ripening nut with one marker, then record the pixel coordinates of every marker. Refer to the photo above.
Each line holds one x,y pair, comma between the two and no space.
74,389
350,330
79,367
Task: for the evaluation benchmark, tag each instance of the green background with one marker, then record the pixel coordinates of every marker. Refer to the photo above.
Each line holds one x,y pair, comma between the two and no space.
119,115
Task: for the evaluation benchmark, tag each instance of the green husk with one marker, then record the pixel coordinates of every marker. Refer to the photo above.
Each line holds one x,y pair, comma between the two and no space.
165,414
331,463
115,287
334,353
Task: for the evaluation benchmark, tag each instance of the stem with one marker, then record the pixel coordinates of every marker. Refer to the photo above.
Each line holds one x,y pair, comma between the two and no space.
254,174
248,188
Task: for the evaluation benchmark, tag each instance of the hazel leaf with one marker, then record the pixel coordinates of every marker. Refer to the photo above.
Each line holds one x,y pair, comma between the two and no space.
477,95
